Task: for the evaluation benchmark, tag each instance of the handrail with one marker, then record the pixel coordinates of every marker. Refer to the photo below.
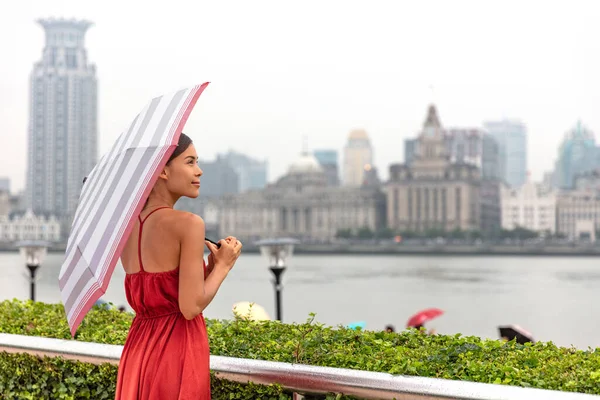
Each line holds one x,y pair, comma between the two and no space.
303,378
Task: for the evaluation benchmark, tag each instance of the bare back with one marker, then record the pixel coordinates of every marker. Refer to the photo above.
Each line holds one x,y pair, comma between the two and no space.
160,242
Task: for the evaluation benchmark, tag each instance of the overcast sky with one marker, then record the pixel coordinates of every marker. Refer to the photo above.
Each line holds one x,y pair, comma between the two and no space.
320,69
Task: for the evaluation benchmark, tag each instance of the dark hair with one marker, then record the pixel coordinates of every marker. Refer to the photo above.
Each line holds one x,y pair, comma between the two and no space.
390,328
182,145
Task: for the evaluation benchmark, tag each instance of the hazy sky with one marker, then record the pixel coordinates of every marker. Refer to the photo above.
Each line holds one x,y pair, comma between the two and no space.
320,68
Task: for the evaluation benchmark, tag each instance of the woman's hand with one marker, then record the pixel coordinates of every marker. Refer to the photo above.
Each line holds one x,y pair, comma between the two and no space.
210,265
226,255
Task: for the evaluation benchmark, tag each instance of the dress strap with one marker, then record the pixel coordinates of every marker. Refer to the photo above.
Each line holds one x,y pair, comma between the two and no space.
140,234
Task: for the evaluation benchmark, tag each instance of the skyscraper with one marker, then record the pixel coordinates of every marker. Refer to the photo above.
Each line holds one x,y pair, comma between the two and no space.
577,155
512,145
62,146
358,157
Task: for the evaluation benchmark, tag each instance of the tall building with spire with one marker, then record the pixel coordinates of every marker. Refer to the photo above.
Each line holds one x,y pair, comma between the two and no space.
435,194
62,146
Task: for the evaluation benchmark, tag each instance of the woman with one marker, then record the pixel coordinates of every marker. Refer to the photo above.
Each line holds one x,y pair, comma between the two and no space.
166,354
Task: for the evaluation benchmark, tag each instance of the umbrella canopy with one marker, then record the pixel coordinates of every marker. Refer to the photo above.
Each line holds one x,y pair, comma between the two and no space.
113,196
516,332
423,316
250,311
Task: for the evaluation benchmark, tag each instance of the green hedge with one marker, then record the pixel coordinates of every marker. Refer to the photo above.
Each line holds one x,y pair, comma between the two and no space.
542,365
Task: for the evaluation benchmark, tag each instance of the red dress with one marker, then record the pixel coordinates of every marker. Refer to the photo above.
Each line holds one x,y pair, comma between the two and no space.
165,356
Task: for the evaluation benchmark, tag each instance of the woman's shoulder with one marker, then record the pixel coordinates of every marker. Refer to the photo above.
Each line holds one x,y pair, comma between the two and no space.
186,226
185,219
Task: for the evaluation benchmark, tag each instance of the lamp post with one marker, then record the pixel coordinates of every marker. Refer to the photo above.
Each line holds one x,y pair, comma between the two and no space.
33,252
277,252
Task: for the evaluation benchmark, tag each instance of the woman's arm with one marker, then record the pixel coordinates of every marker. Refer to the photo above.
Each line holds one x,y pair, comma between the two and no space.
196,293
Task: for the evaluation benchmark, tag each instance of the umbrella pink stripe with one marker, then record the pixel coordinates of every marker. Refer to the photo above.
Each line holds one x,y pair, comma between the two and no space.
116,220
140,194
188,106
74,323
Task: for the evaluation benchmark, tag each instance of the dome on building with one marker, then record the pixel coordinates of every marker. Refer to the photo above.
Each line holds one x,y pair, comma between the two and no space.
305,164
358,134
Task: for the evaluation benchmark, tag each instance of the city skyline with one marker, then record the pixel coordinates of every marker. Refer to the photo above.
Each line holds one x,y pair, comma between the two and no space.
489,63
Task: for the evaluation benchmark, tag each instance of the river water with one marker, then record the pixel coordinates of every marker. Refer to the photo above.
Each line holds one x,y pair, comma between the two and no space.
552,297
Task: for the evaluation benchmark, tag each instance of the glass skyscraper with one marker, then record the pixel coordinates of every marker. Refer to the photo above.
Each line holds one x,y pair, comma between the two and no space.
511,137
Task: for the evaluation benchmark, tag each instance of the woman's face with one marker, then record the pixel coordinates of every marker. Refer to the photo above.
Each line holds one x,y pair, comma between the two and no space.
183,174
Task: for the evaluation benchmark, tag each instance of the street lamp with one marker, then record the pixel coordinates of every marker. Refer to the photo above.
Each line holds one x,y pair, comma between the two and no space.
33,251
277,252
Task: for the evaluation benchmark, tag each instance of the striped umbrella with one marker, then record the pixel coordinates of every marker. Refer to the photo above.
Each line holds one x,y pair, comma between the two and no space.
113,196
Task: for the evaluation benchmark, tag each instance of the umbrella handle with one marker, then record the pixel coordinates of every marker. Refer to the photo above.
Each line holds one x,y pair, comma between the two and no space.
213,242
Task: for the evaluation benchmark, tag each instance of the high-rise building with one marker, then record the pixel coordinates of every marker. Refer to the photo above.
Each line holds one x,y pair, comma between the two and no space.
578,154
252,174
358,158
62,146
511,137
329,161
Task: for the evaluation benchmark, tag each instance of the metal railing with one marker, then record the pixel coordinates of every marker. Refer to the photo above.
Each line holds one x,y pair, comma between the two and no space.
303,378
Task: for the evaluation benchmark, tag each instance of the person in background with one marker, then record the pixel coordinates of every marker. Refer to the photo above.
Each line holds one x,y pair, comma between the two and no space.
390,329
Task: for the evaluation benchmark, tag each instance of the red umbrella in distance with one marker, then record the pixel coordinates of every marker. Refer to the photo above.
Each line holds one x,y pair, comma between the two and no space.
423,316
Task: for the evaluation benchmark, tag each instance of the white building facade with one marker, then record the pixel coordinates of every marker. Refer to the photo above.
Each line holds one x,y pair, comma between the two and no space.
578,210
29,227
530,206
